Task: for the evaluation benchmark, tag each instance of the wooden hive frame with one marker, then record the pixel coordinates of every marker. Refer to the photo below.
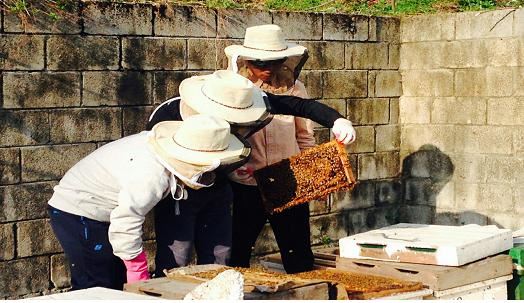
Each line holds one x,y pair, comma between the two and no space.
310,175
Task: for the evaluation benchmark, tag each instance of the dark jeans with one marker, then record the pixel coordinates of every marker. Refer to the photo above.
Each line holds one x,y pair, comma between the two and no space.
204,221
86,246
291,229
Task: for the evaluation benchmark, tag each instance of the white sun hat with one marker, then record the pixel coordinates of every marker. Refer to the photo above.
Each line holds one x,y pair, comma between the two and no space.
198,140
224,94
265,42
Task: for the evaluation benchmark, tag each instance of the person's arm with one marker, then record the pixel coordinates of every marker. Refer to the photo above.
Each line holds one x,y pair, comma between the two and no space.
305,108
136,198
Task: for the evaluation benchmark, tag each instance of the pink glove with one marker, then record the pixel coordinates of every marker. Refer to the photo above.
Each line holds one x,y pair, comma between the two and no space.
137,268
344,131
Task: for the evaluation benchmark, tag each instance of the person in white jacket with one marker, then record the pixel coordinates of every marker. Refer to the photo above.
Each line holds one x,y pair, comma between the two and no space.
98,208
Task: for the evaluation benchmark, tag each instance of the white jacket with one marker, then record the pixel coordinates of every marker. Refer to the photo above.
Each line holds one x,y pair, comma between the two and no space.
118,183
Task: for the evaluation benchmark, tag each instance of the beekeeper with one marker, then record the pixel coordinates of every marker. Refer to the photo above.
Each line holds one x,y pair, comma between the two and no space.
204,220
98,208
273,65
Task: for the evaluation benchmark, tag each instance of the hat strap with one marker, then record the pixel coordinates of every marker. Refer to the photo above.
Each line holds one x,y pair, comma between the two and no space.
267,50
201,150
218,102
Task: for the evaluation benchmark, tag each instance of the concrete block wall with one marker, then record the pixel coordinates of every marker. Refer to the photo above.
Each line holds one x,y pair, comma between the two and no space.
68,87
461,116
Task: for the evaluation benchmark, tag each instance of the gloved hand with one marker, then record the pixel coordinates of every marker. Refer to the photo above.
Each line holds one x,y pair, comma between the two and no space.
137,268
242,173
344,131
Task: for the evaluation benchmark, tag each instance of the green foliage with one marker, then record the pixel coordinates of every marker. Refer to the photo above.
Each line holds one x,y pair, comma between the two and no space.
476,4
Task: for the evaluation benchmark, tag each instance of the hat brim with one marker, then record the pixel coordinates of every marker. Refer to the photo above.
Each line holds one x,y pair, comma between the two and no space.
264,55
191,94
164,145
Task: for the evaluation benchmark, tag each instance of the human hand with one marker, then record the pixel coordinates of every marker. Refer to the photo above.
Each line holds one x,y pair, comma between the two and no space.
344,131
242,173
137,268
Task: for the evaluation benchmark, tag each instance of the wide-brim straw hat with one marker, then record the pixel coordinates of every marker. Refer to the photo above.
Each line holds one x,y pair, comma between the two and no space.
224,94
265,42
199,140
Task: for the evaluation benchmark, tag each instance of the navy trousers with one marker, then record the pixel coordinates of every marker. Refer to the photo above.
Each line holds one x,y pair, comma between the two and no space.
203,223
291,229
87,248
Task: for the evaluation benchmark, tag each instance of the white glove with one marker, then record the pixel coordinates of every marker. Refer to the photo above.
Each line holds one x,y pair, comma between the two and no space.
242,173
344,131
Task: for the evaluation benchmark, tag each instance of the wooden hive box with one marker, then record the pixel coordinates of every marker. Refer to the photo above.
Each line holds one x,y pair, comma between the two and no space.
312,174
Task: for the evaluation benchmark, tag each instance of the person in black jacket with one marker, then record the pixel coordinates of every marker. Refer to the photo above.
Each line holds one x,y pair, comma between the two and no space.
204,219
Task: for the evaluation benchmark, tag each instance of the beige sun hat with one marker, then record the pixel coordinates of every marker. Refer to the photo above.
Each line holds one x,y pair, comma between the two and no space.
224,94
265,42
198,140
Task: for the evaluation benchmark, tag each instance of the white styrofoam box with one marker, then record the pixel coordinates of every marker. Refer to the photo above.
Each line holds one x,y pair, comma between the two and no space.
493,289
428,244
95,293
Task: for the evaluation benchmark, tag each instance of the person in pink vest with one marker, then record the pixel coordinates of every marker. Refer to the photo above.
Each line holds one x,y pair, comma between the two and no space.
273,65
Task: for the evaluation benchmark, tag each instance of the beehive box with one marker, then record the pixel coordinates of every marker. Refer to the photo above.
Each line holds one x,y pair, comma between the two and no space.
427,244
312,174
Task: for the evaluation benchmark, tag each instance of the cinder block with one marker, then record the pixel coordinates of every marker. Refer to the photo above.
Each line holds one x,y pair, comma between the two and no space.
394,56
149,226
492,24
442,137
153,53
208,54
501,52
384,29
388,138
9,165
496,197
135,118
24,276
338,104
506,111
519,76
503,169
85,125
394,110
150,249
117,88
386,83
313,82
469,168
470,82
304,26
35,237
388,191
467,195
484,139
366,55
421,83
365,142
362,196
21,52
519,200
82,53
464,54
519,23
344,84
378,165
505,219
421,191
232,23
346,27
23,128
319,207
445,199
109,18
420,214
461,110
184,21
41,90
322,135
427,28
266,242
368,111
518,140
499,81
51,162
7,238
41,22
324,55
423,55
60,274
165,84
25,201
327,228
428,162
